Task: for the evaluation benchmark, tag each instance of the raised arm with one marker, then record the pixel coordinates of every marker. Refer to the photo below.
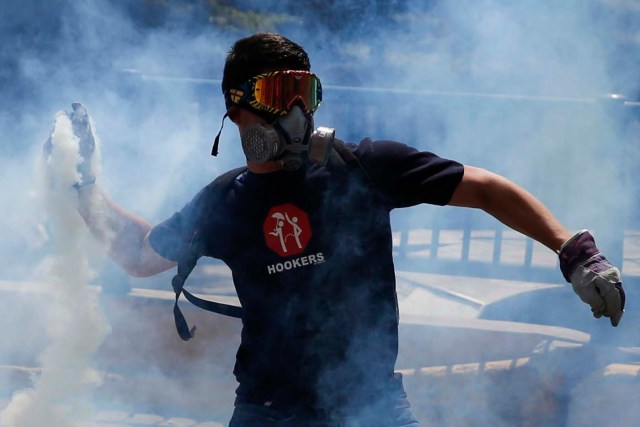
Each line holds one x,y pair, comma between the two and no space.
125,234
69,153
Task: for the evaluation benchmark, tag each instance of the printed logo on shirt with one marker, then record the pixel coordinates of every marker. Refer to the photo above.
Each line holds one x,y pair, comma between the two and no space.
291,264
287,230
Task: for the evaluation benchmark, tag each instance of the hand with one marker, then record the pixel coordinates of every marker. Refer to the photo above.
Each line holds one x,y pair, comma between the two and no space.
81,125
594,279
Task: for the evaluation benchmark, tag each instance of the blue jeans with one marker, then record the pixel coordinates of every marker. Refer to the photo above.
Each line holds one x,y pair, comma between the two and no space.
248,415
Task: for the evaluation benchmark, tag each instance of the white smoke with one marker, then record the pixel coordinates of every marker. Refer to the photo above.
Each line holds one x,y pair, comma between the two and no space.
160,131
75,326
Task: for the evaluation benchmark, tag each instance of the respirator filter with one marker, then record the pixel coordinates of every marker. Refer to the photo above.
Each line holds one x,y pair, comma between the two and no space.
260,143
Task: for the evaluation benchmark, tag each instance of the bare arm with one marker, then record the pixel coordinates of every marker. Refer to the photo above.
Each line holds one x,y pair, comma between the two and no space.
510,204
125,234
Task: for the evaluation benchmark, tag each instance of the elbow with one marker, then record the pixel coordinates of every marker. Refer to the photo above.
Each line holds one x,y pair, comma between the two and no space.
146,266
138,259
132,265
138,272
133,269
141,270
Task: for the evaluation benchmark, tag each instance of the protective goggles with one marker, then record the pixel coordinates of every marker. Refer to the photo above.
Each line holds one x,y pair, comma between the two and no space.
277,91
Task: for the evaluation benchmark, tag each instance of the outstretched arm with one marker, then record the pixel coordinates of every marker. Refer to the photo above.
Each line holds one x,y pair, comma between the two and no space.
593,278
511,205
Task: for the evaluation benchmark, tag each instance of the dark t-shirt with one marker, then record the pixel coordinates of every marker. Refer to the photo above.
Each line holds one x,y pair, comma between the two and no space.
311,255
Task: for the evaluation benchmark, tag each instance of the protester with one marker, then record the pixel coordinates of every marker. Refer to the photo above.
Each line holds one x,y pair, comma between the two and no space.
305,229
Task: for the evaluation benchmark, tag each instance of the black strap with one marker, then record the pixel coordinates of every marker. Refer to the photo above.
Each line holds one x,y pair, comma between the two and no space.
188,263
216,141
350,159
184,269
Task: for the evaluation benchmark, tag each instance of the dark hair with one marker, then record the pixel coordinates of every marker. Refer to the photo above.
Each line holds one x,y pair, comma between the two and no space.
261,53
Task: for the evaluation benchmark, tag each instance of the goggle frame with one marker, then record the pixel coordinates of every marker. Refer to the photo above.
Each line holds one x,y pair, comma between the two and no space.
268,83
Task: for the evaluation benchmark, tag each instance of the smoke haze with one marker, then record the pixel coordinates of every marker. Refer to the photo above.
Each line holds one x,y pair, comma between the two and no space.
75,326
520,88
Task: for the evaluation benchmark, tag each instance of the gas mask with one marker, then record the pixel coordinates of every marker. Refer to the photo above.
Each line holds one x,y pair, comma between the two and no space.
290,139
292,96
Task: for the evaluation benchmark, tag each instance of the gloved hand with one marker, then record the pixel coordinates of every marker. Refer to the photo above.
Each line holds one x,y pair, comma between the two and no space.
81,124
592,276
82,129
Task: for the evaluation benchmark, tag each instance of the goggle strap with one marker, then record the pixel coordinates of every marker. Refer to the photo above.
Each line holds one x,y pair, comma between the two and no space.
216,141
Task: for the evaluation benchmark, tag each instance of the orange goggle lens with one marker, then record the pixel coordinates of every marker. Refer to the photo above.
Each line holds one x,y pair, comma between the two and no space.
276,92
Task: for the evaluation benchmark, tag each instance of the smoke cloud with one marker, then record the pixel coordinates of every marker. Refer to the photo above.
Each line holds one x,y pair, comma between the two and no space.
521,89
76,326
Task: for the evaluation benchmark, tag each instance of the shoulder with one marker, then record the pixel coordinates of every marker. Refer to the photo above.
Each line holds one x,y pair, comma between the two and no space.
409,175
369,150
221,183
391,157
227,178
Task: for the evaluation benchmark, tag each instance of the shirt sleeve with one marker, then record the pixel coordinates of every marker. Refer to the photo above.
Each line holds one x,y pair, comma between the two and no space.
172,238
408,176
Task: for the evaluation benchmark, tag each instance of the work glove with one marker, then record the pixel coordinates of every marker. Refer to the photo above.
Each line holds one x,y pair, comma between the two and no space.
593,278
81,125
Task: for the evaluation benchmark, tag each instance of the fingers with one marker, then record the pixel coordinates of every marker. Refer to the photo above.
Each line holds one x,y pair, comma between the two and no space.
623,297
79,117
79,109
82,129
602,291
615,319
614,307
585,285
610,289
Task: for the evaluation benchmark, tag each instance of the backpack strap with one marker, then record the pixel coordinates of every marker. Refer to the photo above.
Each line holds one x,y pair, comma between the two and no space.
350,159
188,262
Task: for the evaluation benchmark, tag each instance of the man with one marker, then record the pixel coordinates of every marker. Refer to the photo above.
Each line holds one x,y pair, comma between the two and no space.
305,230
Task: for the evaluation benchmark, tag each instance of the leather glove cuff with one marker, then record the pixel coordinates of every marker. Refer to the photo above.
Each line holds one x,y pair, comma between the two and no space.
581,250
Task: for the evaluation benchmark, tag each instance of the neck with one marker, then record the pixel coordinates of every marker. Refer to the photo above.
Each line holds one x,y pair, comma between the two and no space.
266,167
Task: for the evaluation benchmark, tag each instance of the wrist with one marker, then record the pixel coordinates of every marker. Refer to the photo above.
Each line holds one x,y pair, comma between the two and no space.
85,183
576,251
571,240
86,193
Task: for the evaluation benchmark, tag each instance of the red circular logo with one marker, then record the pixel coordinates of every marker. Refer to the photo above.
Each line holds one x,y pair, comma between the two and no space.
287,230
